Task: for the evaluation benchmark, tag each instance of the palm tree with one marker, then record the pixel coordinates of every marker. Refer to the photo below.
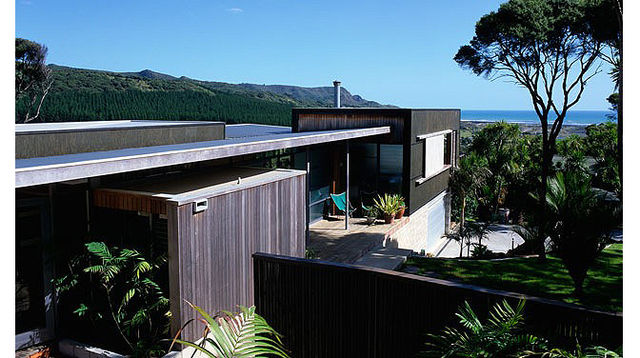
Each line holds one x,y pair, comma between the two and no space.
581,223
466,180
479,230
498,142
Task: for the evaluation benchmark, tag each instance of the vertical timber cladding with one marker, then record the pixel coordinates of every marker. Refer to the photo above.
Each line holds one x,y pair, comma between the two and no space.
424,122
210,252
321,119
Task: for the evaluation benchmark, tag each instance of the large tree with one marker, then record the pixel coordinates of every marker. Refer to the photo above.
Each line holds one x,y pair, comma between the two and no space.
604,19
545,47
33,77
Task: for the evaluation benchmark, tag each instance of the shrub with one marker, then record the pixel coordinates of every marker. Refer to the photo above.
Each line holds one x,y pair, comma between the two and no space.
242,334
122,294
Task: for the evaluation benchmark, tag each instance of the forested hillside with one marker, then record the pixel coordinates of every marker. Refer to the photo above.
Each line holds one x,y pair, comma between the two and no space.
84,95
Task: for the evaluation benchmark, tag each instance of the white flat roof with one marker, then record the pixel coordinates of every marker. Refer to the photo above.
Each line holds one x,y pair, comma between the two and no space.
253,130
30,128
45,170
186,188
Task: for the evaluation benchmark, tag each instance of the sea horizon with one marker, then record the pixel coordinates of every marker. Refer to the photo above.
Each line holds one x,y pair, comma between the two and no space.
575,117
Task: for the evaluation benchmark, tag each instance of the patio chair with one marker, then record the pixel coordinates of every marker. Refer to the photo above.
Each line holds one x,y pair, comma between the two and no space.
340,201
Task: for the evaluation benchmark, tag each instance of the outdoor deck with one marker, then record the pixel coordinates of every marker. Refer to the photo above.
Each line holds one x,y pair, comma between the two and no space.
331,242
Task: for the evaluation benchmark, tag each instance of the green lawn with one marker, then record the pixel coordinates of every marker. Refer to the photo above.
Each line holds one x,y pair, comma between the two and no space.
602,289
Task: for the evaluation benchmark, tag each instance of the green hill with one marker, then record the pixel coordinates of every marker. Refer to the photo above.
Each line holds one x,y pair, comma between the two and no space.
85,95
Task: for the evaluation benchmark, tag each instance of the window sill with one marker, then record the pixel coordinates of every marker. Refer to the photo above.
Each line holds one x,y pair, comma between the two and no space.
424,179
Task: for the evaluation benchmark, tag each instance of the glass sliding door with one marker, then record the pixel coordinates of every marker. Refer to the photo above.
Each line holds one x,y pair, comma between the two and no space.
34,311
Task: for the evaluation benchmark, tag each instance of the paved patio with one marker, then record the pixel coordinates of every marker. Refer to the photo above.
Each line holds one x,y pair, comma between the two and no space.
331,242
501,238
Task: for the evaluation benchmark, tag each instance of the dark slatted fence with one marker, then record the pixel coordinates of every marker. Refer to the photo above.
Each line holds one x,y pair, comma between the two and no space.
336,310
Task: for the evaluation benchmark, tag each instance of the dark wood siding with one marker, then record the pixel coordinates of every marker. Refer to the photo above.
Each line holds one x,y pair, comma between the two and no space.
305,120
105,198
210,252
406,125
424,122
336,310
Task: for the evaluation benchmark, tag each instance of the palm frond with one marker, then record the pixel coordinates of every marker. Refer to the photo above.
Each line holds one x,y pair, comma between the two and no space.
242,334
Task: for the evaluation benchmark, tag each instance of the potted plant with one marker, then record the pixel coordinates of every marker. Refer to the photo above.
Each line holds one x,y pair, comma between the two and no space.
401,206
388,206
371,215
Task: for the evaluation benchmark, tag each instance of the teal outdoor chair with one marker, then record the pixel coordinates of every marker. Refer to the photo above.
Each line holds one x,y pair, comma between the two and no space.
340,200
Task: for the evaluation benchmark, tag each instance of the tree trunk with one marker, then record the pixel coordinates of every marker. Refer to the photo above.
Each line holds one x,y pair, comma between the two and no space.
461,228
495,209
547,159
620,127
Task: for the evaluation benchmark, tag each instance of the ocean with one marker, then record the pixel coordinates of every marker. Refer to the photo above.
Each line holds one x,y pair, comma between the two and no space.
530,117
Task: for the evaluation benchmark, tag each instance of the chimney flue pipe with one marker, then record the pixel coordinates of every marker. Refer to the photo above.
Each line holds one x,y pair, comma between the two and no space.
336,93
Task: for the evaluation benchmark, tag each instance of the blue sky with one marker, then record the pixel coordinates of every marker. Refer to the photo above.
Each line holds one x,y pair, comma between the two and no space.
397,52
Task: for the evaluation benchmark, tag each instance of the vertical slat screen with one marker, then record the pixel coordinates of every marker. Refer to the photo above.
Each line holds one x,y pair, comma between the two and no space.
337,310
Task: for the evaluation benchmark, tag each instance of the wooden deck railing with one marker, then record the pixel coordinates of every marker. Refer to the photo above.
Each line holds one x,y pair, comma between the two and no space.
336,310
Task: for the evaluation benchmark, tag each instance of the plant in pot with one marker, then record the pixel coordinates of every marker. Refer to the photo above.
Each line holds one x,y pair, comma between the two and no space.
388,206
401,206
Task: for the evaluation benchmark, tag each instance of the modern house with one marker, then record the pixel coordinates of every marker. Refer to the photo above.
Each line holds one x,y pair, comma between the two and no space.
212,194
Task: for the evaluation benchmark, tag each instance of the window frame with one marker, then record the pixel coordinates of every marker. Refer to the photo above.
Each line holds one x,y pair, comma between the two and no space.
423,137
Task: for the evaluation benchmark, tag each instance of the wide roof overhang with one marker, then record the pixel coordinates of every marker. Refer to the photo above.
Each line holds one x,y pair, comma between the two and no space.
46,170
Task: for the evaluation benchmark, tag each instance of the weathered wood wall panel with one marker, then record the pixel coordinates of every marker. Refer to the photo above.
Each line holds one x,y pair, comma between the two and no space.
336,310
128,201
210,252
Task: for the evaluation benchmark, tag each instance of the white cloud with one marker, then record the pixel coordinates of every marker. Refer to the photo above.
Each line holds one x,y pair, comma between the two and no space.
235,10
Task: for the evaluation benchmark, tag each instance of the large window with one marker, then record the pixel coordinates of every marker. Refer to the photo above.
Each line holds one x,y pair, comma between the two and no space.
438,153
390,180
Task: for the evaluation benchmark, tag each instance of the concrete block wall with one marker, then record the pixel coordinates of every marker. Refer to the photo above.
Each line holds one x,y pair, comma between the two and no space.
413,234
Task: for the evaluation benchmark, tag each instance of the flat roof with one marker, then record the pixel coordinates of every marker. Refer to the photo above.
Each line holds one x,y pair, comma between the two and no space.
45,170
369,109
186,188
253,130
57,127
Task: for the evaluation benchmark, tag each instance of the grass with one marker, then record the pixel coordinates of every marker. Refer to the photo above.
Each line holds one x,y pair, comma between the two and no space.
602,288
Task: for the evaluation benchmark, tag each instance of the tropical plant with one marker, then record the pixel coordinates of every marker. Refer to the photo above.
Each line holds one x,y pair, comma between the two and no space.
498,142
466,180
480,230
590,352
500,336
123,294
237,335
529,231
601,143
580,223
481,251
547,48
387,204
573,152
